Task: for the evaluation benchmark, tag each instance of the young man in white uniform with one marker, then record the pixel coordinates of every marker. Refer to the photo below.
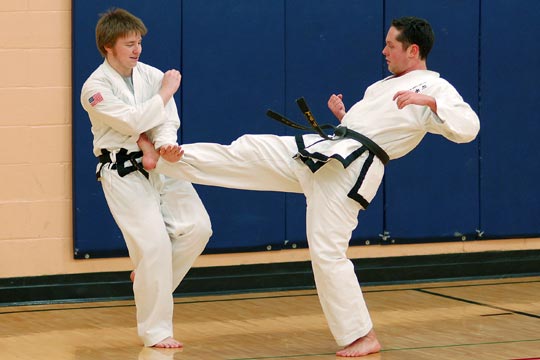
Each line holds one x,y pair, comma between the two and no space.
163,221
339,177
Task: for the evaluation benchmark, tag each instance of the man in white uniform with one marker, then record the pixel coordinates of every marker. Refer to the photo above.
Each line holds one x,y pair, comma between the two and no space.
163,221
340,176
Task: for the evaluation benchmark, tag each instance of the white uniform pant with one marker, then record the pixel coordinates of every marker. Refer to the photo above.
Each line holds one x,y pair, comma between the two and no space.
165,227
265,162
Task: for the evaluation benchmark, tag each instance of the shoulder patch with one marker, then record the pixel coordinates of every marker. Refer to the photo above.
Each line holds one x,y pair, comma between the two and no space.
95,99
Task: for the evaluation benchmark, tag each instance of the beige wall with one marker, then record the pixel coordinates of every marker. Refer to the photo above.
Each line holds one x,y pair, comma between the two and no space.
35,156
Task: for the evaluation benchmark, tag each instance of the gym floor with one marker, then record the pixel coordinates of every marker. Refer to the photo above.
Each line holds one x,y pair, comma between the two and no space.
478,319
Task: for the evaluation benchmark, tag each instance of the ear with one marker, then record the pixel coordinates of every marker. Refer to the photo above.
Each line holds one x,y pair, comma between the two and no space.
108,49
414,51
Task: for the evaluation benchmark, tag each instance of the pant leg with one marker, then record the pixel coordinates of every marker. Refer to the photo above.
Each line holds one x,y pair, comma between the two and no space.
135,206
264,162
252,162
187,222
331,218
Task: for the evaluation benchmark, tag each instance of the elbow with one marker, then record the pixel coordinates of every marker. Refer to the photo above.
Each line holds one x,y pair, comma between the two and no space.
467,131
466,139
469,135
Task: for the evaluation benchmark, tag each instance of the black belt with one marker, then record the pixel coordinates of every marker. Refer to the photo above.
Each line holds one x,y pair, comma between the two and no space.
343,131
340,131
120,165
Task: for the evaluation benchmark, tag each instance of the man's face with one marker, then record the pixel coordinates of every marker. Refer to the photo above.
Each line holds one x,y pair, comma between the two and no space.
396,56
124,55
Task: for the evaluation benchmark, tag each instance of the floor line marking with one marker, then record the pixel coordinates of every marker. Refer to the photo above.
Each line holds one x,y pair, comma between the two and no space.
479,303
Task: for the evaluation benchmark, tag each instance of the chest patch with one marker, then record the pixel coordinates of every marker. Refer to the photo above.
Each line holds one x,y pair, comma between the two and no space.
419,88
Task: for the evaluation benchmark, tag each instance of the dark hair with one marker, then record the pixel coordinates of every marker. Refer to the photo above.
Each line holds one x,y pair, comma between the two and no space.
417,31
115,23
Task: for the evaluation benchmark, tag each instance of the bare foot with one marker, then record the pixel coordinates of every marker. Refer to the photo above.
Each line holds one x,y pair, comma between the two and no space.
150,155
132,276
362,346
168,343
171,153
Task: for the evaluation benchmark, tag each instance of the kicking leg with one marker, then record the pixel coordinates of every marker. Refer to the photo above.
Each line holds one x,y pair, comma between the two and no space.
252,162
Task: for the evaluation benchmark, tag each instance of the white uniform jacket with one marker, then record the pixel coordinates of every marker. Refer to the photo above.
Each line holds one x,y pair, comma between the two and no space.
396,131
119,116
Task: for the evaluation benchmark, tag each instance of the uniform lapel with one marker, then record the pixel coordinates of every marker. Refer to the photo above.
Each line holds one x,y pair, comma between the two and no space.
138,85
119,84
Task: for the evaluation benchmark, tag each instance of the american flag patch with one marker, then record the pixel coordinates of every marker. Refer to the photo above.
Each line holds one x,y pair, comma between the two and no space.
95,99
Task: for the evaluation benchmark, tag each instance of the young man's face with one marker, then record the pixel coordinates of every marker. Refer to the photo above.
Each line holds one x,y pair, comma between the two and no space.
397,58
124,55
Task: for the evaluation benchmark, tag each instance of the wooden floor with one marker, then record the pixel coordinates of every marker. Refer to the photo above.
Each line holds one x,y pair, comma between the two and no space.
482,319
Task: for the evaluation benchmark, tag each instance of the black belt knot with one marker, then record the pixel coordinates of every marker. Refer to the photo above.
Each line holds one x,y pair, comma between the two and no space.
340,131
122,157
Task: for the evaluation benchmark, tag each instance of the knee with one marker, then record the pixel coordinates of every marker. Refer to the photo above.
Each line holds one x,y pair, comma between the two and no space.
155,251
203,231
198,233
327,259
323,260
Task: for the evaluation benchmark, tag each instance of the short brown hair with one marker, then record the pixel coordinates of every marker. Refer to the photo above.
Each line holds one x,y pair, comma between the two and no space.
417,31
116,23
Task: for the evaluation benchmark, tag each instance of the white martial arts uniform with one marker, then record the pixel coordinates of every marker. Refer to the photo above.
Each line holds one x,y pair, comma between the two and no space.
163,221
338,177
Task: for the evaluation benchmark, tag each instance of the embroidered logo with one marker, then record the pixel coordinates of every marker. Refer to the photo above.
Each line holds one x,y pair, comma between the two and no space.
419,88
95,99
